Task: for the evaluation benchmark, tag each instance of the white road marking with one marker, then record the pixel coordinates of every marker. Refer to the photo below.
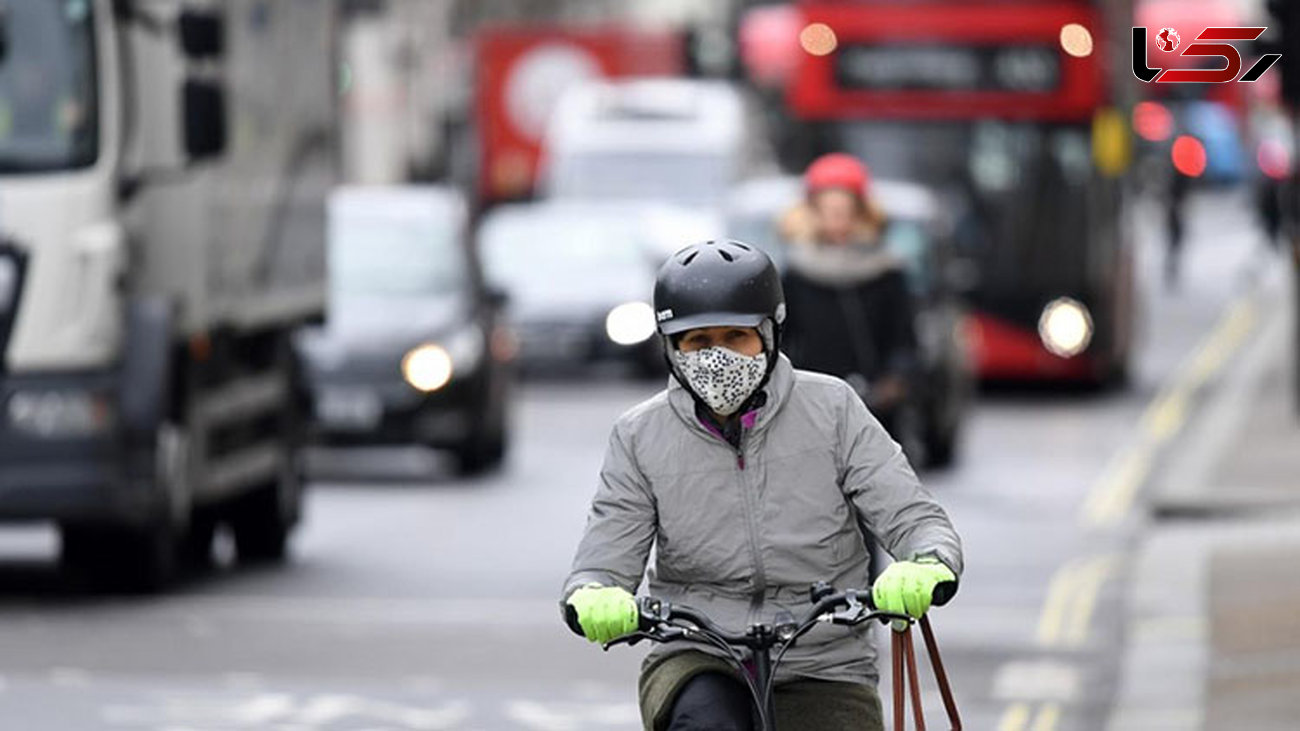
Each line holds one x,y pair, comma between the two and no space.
1037,680
251,712
326,709
284,712
537,612
573,716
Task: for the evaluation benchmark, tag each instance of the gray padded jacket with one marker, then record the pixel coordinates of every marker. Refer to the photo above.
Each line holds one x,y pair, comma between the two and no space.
742,534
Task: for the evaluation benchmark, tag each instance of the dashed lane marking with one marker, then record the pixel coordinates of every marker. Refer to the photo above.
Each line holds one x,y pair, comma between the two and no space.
1015,718
1037,680
1071,600
1048,716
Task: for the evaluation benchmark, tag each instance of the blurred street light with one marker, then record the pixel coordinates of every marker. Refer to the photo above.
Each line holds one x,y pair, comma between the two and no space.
1188,156
818,39
1152,121
1076,40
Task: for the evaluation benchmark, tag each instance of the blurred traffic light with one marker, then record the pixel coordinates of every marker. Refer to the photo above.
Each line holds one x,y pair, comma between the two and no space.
1188,155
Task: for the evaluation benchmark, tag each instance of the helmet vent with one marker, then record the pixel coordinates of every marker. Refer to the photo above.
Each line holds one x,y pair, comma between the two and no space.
690,258
726,255
741,246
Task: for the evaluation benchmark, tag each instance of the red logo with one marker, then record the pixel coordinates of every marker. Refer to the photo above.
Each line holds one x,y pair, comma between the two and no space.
1167,39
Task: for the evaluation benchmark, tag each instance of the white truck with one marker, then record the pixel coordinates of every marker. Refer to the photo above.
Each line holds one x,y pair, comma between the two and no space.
164,166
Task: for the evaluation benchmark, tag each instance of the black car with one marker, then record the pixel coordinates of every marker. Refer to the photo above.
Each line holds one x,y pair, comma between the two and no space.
412,351
579,276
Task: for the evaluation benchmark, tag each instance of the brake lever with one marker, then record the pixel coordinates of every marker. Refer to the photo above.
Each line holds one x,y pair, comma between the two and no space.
851,614
887,617
658,634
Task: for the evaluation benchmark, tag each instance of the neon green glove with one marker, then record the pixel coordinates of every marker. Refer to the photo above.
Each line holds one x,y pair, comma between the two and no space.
908,587
605,612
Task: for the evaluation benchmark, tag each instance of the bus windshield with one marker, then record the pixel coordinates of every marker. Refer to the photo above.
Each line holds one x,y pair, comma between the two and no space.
47,86
1023,184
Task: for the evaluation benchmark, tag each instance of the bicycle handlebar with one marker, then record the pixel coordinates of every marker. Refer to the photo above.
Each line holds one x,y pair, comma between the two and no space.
662,621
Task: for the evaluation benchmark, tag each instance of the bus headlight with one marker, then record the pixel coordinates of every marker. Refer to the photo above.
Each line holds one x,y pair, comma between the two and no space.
630,323
427,368
1065,327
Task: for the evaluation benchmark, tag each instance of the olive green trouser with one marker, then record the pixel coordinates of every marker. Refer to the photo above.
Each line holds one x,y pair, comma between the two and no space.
801,705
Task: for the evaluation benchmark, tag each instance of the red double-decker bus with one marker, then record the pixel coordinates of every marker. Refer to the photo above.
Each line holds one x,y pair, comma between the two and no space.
1015,111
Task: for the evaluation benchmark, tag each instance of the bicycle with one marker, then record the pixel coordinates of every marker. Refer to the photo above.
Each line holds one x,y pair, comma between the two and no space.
663,622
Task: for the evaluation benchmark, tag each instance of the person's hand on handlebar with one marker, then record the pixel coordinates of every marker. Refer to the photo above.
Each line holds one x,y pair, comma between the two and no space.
604,613
909,587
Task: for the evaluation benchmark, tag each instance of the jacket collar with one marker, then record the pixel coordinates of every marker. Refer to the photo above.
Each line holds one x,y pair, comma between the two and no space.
778,387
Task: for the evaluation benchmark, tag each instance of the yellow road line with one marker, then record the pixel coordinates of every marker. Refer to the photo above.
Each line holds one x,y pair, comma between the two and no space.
1075,588
1090,583
1119,485
1112,496
1166,416
1232,330
1052,620
1015,718
1071,599
1048,716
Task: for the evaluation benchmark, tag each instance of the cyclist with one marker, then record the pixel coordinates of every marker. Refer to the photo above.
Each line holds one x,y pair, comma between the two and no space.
851,314
748,478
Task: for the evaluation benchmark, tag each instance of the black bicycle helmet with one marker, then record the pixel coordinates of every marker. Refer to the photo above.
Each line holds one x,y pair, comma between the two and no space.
718,283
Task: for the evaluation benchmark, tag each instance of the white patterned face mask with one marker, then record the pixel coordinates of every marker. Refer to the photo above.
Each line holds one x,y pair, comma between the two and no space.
720,376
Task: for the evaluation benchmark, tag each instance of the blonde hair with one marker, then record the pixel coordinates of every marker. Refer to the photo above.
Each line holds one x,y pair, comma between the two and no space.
798,225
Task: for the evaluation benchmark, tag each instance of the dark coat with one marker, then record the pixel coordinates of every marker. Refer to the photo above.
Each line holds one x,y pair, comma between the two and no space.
821,319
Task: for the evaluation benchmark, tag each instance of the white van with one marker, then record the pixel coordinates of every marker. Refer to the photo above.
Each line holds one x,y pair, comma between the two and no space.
682,141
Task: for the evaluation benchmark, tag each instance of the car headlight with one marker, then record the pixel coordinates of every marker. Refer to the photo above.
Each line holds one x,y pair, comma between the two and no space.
59,413
630,323
1065,327
427,368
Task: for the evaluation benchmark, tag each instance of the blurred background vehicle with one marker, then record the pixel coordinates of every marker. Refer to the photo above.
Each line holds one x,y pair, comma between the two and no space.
413,351
174,226
920,235
675,140
754,208
165,167
524,69
579,277
1019,133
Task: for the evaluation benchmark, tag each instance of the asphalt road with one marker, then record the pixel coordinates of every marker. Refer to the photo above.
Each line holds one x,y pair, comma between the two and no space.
417,600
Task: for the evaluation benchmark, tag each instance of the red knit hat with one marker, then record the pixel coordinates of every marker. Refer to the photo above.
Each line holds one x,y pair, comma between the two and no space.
837,170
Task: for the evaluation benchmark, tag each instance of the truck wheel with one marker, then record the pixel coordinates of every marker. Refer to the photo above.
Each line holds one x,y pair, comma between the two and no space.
133,560
263,520
482,453
940,449
196,545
